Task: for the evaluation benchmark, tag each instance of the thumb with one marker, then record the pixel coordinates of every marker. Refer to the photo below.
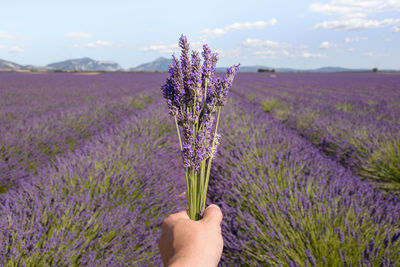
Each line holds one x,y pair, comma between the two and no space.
212,215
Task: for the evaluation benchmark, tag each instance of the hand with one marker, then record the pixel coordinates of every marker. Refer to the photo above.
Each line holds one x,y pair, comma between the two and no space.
184,242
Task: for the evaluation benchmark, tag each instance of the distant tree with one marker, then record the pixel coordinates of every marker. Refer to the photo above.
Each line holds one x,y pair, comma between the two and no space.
272,70
263,70
375,70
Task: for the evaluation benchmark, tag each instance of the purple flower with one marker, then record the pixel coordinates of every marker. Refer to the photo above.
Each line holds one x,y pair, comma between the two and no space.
193,94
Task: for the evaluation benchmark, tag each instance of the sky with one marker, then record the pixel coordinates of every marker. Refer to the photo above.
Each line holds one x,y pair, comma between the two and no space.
296,34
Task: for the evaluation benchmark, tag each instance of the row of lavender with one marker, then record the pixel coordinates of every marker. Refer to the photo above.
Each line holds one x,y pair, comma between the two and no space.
25,96
45,115
352,117
101,205
284,203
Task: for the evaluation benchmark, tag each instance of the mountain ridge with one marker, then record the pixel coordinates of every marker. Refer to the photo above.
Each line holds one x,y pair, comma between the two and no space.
160,64
85,64
4,64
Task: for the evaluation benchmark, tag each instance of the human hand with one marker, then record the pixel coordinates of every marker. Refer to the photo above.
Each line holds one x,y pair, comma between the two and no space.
184,242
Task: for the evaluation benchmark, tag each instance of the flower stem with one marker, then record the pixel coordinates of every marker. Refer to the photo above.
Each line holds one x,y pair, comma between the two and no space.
209,160
179,135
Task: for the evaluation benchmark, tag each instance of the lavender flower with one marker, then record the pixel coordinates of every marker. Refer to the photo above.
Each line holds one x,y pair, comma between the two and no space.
194,96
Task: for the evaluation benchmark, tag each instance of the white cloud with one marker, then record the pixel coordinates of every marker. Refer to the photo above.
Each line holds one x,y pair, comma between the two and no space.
272,49
249,42
326,45
351,49
2,46
78,35
9,36
354,24
250,25
306,54
285,52
354,39
289,53
161,48
103,43
396,28
231,53
268,53
216,32
354,14
16,49
6,35
97,44
369,54
355,8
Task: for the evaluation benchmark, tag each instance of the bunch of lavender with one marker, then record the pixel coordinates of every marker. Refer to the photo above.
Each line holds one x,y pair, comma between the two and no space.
194,95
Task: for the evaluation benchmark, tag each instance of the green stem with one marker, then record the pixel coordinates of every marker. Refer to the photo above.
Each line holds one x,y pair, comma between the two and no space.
186,169
179,135
194,195
205,93
210,160
202,183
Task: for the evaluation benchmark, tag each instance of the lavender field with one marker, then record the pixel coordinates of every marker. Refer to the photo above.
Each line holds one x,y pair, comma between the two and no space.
307,172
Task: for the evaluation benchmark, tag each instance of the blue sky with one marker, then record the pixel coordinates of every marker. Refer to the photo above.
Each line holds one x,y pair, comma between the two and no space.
298,34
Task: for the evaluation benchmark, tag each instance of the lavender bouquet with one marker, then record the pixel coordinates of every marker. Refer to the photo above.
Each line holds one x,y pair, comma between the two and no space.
194,96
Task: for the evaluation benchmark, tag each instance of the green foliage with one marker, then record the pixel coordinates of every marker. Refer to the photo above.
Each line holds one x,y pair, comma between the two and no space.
268,185
275,106
383,163
146,98
252,98
107,180
137,104
89,99
9,117
3,189
270,104
346,107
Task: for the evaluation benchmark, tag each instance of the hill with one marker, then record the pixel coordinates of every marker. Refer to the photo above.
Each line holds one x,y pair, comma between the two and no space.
8,65
85,64
160,64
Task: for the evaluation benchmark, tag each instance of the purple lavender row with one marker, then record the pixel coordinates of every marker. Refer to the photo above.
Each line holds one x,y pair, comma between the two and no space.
29,144
101,205
285,204
25,96
354,118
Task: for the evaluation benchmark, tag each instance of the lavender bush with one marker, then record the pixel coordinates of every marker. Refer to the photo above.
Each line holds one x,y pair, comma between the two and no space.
56,113
285,204
194,95
281,177
101,205
352,117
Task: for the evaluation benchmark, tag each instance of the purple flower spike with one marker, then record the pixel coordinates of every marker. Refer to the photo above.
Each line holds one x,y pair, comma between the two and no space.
194,96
